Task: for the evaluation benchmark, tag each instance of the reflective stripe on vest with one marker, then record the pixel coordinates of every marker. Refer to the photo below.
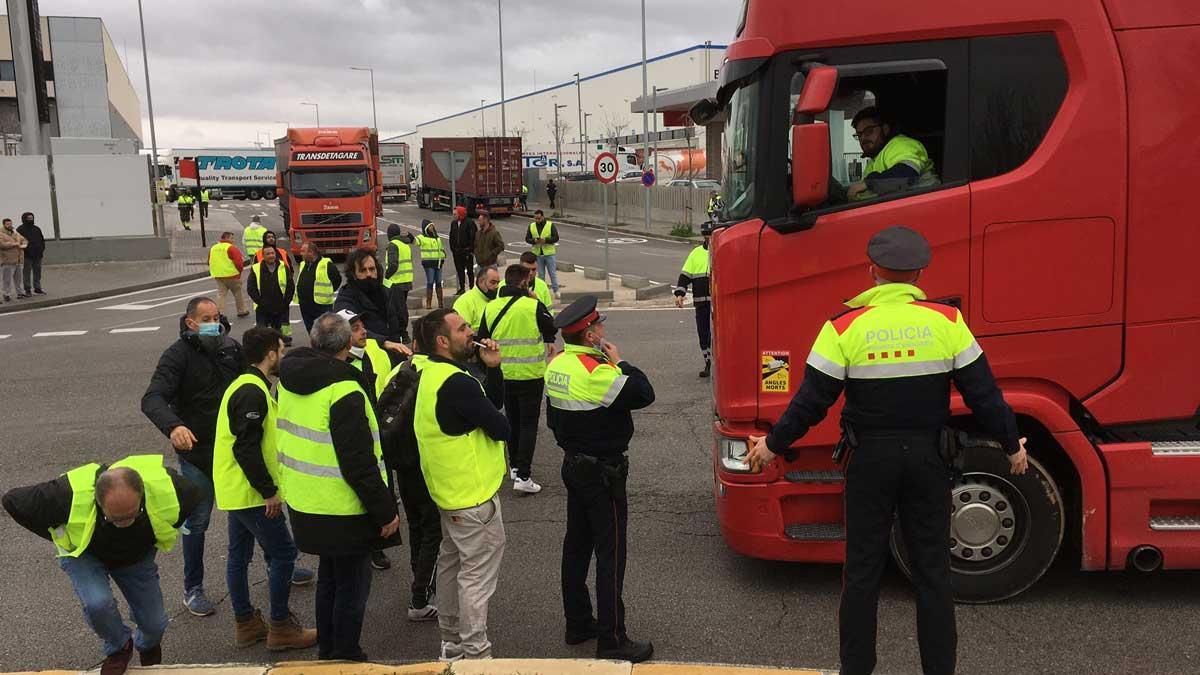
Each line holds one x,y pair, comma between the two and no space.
900,336
280,273
381,364
404,266
901,149
543,249
232,488
581,378
309,474
322,286
522,352
162,505
470,306
460,471
219,264
252,238
431,248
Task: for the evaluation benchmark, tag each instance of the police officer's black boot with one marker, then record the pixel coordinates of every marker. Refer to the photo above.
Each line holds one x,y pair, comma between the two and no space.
625,650
707,368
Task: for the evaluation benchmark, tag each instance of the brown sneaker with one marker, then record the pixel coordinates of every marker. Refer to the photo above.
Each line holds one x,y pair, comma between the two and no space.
250,630
118,662
289,634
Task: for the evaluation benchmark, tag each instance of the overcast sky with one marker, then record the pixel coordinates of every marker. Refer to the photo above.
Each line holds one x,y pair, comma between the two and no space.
224,71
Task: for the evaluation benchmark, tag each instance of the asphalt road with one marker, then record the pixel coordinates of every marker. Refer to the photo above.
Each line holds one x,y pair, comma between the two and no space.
70,399
656,259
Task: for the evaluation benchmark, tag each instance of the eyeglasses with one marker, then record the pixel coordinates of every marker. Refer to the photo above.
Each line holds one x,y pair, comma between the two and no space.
121,522
866,130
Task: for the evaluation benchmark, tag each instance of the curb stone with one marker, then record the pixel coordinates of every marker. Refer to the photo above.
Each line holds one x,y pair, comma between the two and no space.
93,295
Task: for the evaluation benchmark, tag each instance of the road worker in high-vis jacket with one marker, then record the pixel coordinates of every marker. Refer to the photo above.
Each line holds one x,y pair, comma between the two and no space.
110,521
695,275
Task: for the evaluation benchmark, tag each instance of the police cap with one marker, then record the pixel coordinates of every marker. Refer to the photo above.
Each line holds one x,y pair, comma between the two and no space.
578,315
899,248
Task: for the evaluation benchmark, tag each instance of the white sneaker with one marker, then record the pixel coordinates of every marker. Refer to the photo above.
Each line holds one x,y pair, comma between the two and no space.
426,613
526,485
512,474
451,652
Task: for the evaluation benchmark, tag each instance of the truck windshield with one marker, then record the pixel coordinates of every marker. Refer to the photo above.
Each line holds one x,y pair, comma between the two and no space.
737,150
330,183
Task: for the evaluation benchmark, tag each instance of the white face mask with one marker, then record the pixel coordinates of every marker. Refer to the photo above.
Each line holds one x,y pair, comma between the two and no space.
358,351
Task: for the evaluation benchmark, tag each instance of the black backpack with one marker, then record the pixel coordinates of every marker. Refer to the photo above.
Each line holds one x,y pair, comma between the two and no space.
397,407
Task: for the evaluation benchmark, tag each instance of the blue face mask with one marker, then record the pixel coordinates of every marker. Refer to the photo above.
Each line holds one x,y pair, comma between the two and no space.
210,329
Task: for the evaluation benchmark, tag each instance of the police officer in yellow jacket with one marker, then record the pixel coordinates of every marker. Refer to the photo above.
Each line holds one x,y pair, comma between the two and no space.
590,393
525,331
896,355
460,434
331,473
109,522
695,275
246,485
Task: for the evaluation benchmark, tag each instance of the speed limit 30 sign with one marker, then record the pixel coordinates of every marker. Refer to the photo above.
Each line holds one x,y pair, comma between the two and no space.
606,167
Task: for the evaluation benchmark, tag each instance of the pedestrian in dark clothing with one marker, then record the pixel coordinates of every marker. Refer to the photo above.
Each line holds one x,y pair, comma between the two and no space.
33,254
316,283
183,400
272,295
551,192
462,247
488,242
363,294
341,508
108,521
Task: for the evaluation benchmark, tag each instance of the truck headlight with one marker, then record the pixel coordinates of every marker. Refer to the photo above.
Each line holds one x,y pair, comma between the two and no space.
733,454
367,235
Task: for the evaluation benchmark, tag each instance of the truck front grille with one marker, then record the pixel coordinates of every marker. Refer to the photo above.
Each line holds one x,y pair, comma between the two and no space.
330,218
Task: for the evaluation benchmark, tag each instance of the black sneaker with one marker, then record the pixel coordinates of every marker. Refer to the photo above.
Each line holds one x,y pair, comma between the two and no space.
39,291
578,636
707,369
379,560
626,650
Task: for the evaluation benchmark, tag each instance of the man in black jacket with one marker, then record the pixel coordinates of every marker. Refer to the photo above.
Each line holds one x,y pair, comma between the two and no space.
33,254
364,295
108,522
398,279
462,247
272,296
340,505
312,306
182,401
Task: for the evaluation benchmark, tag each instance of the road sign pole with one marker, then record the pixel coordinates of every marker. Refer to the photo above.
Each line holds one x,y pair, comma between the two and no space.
606,168
604,189
199,193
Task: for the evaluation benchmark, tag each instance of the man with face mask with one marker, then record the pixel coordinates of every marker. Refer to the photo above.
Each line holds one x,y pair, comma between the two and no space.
695,274
109,522
246,483
470,306
363,295
183,400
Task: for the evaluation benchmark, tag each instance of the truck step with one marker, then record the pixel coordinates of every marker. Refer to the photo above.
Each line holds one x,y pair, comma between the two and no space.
1174,523
817,476
815,531
1175,448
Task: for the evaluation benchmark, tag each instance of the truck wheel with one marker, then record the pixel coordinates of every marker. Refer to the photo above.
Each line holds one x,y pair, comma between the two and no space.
254,194
269,194
1005,530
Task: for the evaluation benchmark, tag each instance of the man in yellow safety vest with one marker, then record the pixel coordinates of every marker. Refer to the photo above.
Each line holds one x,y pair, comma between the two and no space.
398,280
316,282
471,304
109,522
225,264
543,237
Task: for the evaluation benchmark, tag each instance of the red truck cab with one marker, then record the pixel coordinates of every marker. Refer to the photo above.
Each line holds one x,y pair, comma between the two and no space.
329,187
1065,154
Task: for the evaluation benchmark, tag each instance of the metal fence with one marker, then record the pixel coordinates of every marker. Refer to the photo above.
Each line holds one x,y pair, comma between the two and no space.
626,202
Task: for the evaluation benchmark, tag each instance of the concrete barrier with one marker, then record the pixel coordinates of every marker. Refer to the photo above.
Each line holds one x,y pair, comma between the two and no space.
630,281
594,274
653,291
564,266
571,296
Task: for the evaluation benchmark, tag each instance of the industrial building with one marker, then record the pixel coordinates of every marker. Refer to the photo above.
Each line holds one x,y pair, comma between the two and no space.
90,94
603,106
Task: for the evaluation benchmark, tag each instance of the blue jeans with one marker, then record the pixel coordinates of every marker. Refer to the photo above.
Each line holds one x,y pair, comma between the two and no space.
138,583
548,263
247,526
195,527
433,276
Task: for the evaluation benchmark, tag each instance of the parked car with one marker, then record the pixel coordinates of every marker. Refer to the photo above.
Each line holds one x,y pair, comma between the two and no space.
630,176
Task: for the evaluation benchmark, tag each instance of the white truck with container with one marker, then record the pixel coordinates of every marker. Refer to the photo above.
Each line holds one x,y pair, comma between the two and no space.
229,173
395,169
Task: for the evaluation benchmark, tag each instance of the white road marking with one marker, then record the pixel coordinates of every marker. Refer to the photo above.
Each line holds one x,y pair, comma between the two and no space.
5,337
61,333
141,321
140,329
296,321
149,304
109,297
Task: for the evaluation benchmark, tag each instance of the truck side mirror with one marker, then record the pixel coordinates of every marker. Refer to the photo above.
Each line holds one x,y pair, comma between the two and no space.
819,84
810,164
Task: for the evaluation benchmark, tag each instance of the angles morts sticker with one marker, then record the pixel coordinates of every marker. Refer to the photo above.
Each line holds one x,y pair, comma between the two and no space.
775,372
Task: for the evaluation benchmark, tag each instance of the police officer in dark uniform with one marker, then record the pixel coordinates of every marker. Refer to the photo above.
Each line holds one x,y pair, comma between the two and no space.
896,355
591,391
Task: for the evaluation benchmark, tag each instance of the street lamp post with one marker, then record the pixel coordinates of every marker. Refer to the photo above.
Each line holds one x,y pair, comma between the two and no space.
654,98
579,104
558,138
482,132
586,139
374,117
500,29
645,117
316,108
162,228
